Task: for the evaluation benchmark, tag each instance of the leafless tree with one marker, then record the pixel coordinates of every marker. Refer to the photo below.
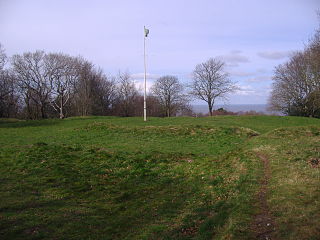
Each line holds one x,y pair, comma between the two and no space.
34,79
127,94
106,93
9,102
154,108
210,82
9,97
56,82
169,92
63,73
94,92
313,52
3,57
82,98
5,84
103,93
5,88
290,86
296,86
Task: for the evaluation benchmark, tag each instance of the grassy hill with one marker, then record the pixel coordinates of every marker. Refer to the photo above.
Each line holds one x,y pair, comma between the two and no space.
168,178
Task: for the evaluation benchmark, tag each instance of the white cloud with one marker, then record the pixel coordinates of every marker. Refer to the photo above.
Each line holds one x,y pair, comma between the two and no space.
139,76
241,73
274,55
259,79
140,85
231,65
248,90
138,79
245,90
234,58
262,70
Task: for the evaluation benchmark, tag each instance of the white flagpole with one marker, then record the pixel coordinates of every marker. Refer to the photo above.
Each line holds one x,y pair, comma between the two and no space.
145,78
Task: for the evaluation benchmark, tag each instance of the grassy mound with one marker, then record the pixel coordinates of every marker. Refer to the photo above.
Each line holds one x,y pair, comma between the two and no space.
121,178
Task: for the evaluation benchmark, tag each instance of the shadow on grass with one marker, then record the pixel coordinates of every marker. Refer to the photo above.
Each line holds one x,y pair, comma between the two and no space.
121,194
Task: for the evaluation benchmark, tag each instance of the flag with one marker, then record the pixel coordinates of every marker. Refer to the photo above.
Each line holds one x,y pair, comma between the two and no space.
146,32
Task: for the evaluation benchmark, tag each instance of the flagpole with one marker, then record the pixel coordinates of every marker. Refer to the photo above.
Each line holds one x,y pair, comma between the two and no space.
145,78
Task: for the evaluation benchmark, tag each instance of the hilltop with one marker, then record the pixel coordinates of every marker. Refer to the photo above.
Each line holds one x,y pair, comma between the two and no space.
226,177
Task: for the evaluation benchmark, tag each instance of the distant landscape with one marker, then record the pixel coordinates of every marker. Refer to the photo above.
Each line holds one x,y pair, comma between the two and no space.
259,108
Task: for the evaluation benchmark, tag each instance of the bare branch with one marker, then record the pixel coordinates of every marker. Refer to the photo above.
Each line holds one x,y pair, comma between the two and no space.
211,82
169,92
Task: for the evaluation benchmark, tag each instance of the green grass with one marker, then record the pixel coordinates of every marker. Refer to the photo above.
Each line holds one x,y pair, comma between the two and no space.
295,185
168,178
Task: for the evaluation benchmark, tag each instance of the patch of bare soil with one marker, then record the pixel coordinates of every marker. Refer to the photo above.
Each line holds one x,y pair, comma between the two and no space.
314,162
263,226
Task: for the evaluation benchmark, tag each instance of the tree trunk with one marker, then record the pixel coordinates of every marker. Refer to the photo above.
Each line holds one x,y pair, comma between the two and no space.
61,108
28,108
210,108
43,114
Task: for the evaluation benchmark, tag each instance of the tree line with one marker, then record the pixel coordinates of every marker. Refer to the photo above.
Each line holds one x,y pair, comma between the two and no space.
36,85
296,86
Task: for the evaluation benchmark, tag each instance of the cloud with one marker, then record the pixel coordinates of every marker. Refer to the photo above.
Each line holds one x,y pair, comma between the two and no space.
138,79
241,73
234,58
274,55
245,90
231,65
248,90
139,76
140,85
259,79
262,70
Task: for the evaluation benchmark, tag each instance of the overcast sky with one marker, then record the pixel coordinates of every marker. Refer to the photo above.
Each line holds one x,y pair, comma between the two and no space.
251,36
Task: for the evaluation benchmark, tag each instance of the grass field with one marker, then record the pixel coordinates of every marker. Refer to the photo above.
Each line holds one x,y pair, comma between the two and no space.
168,178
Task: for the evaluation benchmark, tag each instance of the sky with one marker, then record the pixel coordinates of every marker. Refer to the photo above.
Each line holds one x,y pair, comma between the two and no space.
252,37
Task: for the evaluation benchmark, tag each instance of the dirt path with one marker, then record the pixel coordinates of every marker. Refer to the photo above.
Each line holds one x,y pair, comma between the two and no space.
263,226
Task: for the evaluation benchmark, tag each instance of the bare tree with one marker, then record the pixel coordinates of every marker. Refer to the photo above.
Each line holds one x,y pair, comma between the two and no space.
5,84
94,92
106,93
296,86
82,98
8,95
313,52
3,57
63,72
9,102
211,82
34,79
169,92
5,88
58,82
290,86
154,107
127,94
